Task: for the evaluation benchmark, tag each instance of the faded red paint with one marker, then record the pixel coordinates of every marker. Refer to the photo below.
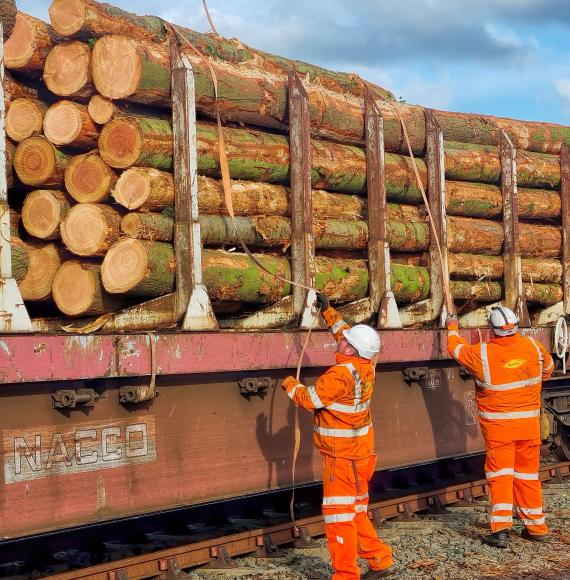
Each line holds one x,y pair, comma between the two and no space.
63,357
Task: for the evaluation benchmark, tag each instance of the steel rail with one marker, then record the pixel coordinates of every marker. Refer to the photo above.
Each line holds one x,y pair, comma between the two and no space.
167,563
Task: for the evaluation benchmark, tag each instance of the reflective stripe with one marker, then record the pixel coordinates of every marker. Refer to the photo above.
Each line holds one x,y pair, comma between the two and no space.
292,392
485,363
339,500
501,507
538,352
357,381
338,518
349,408
452,333
505,519
457,350
514,415
315,399
343,432
362,497
537,522
513,385
527,476
505,471
361,508
338,325
530,511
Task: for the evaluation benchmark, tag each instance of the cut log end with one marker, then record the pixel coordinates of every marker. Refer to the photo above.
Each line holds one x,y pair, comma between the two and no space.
88,179
133,188
42,213
62,123
100,109
24,119
122,78
20,47
67,16
35,161
44,262
75,287
120,143
125,266
67,68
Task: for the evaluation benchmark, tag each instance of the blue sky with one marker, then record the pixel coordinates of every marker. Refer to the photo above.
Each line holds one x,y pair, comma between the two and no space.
499,57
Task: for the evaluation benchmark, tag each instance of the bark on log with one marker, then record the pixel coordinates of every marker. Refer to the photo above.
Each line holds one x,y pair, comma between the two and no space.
543,294
14,89
144,188
540,241
20,257
88,179
25,118
8,13
150,226
10,153
77,290
67,70
138,70
90,229
29,44
38,162
69,123
43,211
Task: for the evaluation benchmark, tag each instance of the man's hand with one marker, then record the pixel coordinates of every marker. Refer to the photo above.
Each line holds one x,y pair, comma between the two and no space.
451,319
289,382
323,301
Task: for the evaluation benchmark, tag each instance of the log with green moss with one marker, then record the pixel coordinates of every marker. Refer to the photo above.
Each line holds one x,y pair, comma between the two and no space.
148,226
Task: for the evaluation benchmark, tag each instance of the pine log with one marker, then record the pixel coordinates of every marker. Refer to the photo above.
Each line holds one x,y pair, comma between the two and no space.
29,44
486,201
40,263
90,229
474,236
14,89
69,123
128,141
77,290
8,13
540,241
88,179
25,118
543,294
144,188
67,71
150,226
10,152
38,162
101,109
479,291
139,70
43,211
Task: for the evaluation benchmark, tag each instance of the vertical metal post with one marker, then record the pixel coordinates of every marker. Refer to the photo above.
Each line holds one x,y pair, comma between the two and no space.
192,301
13,314
565,198
514,293
435,160
302,241
382,299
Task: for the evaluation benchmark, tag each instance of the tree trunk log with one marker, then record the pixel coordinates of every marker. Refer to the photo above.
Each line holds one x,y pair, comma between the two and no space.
14,89
38,162
543,294
25,118
150,226
137,70
69,123
43,211
90,229
144,188
88,179
20,258
67,71
29,44
474,236
77,290
10,153
102,110
538,241
8,11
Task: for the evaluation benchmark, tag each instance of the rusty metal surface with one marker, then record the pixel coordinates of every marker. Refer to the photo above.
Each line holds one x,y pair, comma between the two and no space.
565,199
199,440
514,294
25,359
151,565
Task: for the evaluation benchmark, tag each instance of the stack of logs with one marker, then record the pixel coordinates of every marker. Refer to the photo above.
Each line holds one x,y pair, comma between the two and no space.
90,139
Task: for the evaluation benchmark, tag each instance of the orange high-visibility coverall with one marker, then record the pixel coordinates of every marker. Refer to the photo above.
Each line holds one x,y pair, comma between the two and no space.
344,435
508,373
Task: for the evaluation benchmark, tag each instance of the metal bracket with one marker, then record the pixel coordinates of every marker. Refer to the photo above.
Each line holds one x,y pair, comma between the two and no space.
120,574
267,549
382,299
435,506
425,377
71,398
304,540
192,301
255,386
514,292
170,570
137,393
221,561
406,513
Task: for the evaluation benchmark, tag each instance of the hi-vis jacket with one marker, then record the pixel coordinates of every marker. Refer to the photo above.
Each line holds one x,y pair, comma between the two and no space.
340,400
508,372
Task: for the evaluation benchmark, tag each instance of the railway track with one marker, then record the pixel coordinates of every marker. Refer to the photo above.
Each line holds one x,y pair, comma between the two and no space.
257,538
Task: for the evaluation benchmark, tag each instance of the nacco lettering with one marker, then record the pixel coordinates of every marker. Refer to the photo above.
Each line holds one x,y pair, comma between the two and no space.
59,450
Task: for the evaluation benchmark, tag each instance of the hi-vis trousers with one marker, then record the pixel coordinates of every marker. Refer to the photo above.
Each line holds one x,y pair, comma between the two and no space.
350,533
511,468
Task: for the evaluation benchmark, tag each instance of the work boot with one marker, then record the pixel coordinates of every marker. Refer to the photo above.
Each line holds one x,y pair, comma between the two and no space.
497,540
526,535
373,574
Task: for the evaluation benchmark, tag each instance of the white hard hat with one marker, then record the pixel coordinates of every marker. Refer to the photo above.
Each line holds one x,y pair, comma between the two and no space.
503,321
364,339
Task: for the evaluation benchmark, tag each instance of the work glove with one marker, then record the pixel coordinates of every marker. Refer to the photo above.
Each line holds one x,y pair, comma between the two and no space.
323,301
451,319
288,383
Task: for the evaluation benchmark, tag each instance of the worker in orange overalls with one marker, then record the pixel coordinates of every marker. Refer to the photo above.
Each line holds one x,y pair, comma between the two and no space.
343,433
508,372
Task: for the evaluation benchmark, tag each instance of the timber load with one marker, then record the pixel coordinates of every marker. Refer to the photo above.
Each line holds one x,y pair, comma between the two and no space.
94,180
